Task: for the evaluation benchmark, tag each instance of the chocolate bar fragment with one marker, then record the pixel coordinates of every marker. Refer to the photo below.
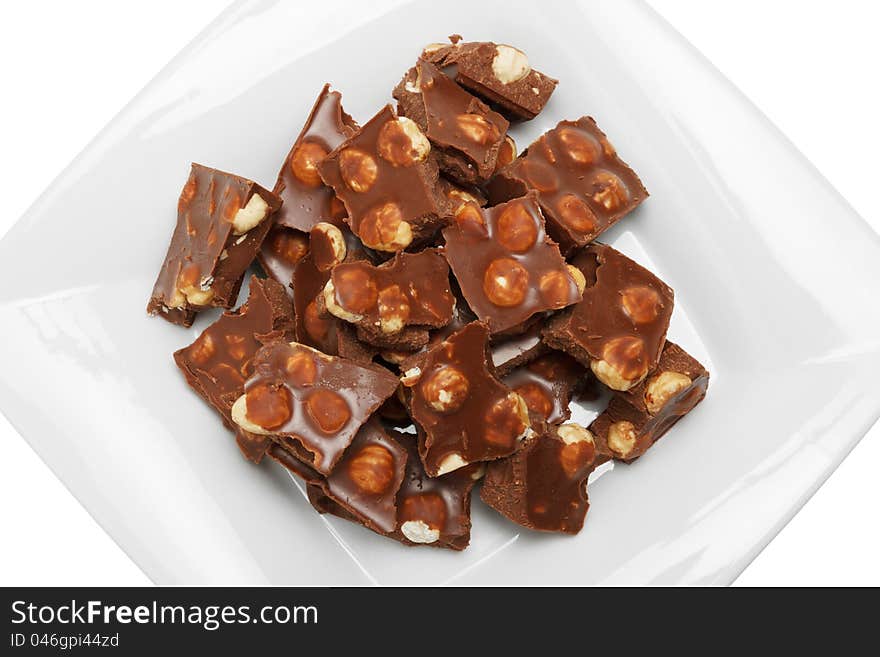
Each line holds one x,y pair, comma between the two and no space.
498,73
325,333
386,176
217,364
298,394
222,220
547,385
583,187
279,253
465,412
638,418
307,200
619,327
544,485
507,266
411,290
465,134
456,194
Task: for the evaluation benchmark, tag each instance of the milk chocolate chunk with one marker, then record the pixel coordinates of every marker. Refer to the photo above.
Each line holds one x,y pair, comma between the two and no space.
498,73
466,135
465,412
386,176
307,200
544,485
313,328
434,511
547,384
619,327
279,253
583,187
638,418
507,266
217,364
316,400
366,480
411,290
222,220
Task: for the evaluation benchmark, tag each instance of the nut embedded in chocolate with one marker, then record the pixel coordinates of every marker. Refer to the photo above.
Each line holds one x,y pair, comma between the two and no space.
317,400
386,177
465,133
499,73
618,338
222,220
466,414
306,199
507,267
583,187
217,364
544,485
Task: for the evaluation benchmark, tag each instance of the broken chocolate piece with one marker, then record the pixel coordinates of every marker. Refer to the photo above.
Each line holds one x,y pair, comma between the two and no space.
317,400
409,290
466,413
583,187
465,133
386,176
637,419
222,220
217,364
619,327
544,485
498,73
510,352
307,200
507,266
547,385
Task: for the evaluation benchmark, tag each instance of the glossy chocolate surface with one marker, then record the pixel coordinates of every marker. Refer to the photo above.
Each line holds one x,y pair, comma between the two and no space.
307,200
583,187
507,266
217,364
318,400
205,259
619,328
279,253
547,384
387,183
466,413
544,485
522,98
466,133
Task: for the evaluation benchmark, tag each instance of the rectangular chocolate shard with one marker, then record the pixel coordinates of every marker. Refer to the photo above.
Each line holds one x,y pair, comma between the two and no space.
217,364
543,485
499,73
547,385
508,268
619,327
307,200
466,413
410,290
222,220
638,418
583,187
319,402
386,176
465,134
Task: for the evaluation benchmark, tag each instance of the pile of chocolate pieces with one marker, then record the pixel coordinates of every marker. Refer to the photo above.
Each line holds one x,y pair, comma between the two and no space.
432,303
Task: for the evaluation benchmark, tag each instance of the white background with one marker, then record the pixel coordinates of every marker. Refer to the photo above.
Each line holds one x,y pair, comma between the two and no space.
68,67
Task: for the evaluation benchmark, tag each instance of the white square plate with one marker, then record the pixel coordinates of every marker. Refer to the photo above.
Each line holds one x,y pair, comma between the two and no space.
775,278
